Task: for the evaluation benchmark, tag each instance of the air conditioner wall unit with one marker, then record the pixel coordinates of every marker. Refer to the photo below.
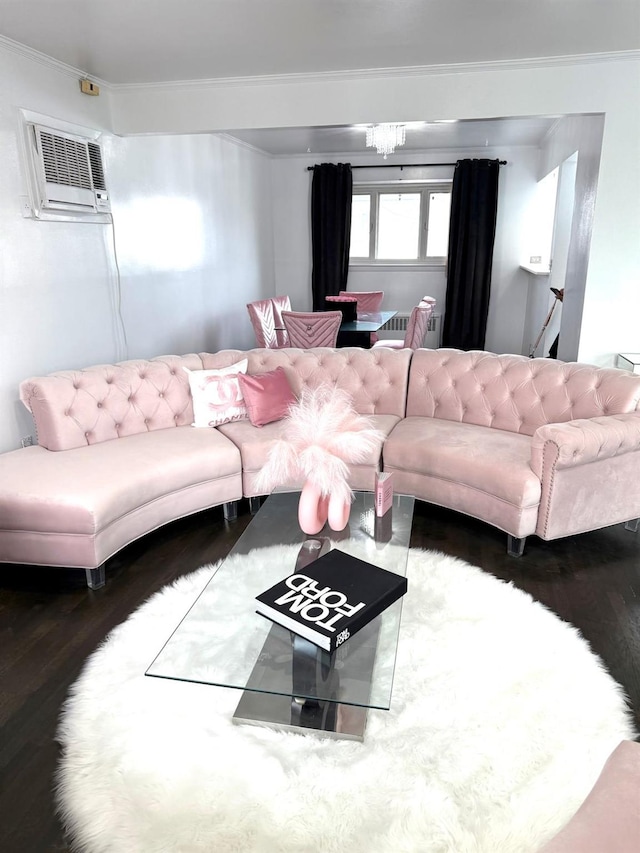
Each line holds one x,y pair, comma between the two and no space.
67,171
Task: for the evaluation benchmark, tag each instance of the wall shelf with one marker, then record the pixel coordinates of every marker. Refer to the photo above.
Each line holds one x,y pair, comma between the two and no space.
535,269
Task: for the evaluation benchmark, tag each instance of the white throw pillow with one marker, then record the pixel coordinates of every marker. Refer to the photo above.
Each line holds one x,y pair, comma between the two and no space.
217,397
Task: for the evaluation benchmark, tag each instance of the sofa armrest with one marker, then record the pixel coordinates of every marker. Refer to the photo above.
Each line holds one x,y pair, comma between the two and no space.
589,474
565,445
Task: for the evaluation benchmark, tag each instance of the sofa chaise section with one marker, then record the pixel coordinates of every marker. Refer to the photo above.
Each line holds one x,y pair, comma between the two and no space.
117,458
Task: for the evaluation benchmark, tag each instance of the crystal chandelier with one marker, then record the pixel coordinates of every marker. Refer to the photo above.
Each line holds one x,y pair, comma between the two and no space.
385,137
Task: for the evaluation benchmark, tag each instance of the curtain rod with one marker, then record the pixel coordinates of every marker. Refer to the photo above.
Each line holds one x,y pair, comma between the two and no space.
405,165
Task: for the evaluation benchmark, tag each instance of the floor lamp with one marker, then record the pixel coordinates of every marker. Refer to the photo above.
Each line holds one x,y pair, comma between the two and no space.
559,295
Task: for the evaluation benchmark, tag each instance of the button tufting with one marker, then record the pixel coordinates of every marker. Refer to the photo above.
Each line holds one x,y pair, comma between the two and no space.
99,405
161,394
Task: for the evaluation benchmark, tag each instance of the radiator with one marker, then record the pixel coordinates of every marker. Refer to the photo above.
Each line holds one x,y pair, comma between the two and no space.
399,324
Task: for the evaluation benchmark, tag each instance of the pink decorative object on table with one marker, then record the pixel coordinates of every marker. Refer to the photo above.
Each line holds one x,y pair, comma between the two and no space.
322,436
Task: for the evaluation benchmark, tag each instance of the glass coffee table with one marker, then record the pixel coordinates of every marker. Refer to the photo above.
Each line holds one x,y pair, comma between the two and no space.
288,682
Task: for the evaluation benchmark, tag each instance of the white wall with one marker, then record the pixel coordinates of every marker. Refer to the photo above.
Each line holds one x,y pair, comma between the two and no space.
404,287
608,85
58,280
194,243
581,134
55,299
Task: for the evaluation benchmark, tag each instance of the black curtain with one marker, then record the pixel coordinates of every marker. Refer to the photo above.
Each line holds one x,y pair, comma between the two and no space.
472,230
331,191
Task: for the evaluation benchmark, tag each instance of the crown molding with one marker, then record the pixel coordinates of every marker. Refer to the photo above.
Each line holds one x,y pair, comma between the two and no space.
49,62
382,73
323,76
240,143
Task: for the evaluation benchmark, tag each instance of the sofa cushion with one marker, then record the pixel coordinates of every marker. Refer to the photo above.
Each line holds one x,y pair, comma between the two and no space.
376,380
117,490
75,408
255,444
267,396
217,396
513,392
478,470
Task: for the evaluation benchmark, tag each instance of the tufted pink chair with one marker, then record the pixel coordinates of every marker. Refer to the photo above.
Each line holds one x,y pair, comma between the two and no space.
416,329
309,329
262,319
369,301
280,304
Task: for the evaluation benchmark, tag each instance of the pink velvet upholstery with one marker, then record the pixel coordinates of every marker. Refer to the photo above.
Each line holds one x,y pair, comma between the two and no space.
527,445
261,314
416,329
609,819
308,329
375,379
369,301
75,408
280,304
267,396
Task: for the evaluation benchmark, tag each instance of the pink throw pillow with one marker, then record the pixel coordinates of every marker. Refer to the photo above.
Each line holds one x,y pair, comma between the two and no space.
267,396
216,394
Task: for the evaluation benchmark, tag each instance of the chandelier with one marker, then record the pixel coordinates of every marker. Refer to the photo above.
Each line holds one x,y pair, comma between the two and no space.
385,137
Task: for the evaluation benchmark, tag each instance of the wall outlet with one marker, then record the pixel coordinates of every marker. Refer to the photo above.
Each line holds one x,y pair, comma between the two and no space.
535,259
27,441
25,207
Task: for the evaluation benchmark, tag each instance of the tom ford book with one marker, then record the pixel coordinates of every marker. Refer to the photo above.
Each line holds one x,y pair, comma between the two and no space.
331,599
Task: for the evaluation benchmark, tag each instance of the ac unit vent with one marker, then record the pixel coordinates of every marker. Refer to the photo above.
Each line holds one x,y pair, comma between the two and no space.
95,161
68,174
65,161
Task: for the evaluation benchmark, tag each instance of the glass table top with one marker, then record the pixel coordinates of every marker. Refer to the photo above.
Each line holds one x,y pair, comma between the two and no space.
222,640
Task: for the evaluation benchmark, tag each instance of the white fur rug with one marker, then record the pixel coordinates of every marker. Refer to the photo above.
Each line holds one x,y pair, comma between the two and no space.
500,723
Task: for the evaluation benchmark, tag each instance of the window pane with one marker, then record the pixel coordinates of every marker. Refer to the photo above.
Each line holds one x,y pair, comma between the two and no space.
438,227
360,217
398,226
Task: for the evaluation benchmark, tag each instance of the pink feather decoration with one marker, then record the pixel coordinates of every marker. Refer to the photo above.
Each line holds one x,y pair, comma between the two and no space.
323,435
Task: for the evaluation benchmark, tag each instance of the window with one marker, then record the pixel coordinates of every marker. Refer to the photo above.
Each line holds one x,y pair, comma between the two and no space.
401,224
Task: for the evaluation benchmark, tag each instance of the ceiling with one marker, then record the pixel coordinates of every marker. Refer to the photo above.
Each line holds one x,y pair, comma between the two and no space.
151,41
420,136
137,42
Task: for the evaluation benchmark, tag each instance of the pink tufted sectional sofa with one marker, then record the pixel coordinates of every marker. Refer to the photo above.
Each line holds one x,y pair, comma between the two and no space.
531,446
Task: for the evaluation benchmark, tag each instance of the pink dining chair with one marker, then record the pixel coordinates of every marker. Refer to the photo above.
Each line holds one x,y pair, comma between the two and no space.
280,304
262,320
309,329
416,330
369,302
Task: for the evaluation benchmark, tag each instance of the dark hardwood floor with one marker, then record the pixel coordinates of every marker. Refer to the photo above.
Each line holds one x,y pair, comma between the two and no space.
50,622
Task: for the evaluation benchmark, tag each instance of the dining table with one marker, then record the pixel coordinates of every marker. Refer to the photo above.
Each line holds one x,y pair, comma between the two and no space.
357,333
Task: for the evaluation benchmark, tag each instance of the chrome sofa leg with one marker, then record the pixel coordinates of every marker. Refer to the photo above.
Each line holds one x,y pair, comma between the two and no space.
254,504
95,577
230,511
633,525
515,547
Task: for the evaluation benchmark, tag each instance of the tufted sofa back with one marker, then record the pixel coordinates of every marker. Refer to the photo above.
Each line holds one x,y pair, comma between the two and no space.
74,408
513,392
375,379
